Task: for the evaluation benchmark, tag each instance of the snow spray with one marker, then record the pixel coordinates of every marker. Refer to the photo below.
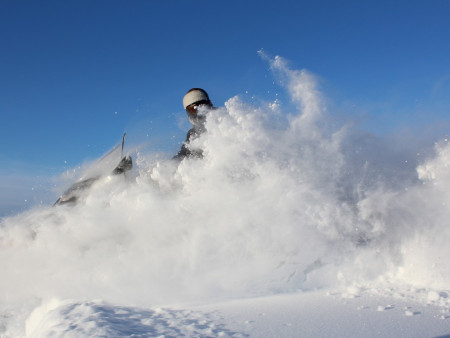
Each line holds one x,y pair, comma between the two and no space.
280,202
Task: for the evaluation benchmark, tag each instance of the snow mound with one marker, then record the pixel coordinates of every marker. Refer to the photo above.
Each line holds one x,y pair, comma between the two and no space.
97,319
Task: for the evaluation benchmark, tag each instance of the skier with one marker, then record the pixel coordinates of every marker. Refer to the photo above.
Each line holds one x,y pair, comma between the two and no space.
197,104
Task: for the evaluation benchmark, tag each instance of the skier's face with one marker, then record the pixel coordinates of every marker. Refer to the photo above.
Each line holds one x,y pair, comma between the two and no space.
196,112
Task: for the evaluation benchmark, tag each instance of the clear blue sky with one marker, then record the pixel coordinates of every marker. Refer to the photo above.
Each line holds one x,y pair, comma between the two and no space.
75,74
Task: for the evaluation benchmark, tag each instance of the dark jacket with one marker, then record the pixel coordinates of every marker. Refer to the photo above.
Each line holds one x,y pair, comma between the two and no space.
184,152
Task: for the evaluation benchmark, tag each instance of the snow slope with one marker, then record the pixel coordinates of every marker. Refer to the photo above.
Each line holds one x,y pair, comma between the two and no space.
312,314
291,225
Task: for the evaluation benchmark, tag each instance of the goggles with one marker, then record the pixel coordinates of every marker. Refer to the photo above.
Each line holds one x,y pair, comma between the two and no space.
193,108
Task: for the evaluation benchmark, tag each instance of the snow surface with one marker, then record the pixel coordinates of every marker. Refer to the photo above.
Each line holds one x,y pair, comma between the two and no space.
291,225
312,314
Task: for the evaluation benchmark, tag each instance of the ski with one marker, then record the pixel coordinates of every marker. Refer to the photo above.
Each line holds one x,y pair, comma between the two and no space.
72,194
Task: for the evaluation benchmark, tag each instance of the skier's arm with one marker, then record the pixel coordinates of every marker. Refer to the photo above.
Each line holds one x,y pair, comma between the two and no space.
185,151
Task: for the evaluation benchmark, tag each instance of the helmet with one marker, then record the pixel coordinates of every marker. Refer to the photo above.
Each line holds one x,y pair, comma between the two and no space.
193,99
196,96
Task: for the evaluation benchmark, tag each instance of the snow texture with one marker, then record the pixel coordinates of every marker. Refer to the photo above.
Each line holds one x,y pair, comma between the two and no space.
291,225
